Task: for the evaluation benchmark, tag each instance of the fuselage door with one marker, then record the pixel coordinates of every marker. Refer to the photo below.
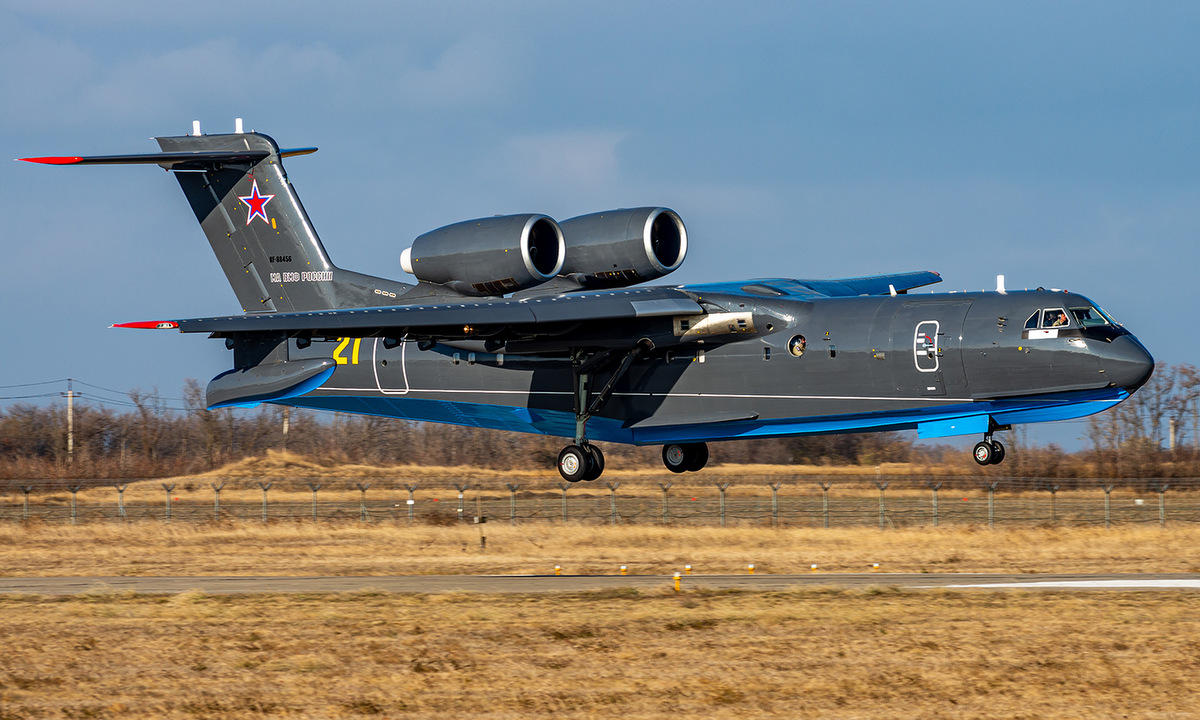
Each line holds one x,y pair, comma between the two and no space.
926,338
926,347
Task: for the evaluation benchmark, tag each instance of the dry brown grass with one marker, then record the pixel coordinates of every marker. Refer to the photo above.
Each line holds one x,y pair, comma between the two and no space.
304,548
284,464
817,653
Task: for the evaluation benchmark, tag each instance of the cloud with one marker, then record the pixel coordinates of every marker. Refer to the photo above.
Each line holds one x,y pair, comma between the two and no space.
585,160
469,72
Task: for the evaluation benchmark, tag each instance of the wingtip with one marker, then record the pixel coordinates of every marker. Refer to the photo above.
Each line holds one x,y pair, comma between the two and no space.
148,325
55,160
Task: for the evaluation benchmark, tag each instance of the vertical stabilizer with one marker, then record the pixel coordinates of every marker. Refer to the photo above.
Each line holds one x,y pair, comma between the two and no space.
256,225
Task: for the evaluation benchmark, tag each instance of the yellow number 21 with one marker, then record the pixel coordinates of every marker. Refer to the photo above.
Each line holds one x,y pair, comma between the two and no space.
337,354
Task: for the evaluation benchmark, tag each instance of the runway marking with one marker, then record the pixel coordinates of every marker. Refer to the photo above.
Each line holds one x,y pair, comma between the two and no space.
1090,584
532,584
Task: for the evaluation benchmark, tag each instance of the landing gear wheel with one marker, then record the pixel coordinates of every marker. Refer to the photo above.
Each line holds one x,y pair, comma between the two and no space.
699,453
574,463
997,452
982,453
595,463
676,457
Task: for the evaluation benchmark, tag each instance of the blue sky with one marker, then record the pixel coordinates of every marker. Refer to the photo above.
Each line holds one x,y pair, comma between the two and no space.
1056,143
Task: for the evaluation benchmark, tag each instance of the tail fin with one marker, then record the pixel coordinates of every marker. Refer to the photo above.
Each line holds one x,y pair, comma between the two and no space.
255,223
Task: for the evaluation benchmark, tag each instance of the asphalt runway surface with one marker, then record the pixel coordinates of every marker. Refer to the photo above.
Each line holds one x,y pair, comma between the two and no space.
516,584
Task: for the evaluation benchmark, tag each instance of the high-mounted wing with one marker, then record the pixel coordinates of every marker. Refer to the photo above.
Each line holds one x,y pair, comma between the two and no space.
469,318
898,283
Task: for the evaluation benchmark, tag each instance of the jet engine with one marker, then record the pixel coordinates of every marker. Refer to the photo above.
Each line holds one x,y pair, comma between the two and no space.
623,247
489,256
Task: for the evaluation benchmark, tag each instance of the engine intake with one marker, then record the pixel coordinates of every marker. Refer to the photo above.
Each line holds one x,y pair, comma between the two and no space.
624,247
489,256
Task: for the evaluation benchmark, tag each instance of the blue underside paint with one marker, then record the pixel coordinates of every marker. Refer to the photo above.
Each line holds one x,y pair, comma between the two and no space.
964,418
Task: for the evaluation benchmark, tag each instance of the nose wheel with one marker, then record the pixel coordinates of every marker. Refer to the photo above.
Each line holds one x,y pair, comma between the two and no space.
988,452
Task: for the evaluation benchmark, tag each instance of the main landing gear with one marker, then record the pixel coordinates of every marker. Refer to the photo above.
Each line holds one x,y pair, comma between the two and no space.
687,457
584,461
988,452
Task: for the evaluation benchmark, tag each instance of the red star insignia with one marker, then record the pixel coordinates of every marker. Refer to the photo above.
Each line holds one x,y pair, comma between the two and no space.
257,204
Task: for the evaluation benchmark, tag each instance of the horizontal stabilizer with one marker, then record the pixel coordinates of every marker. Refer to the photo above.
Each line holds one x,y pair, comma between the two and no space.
198,160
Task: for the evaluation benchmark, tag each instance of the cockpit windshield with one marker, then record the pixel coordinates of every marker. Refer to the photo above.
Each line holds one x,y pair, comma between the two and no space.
1091,317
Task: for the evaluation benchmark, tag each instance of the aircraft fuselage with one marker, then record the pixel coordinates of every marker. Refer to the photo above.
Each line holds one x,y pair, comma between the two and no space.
868,363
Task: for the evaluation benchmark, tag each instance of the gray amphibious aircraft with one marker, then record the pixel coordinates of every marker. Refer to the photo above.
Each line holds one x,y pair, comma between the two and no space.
522,323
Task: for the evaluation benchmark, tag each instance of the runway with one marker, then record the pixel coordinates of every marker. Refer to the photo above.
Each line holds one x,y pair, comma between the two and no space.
518,584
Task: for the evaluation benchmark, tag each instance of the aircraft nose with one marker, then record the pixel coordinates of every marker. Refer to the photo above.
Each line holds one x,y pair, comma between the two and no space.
1126,363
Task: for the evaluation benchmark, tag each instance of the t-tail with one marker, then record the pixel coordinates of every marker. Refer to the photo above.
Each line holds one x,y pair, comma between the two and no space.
258,229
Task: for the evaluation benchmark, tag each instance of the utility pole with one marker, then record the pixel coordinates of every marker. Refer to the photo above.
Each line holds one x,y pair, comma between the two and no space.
70,421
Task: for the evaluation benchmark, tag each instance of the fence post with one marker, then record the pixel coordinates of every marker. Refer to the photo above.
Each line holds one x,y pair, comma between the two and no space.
412,503
1108,506
723,488
992,503
362,501
512,502
265,487
825,500
462,488
26,489
1162,504
775,503
882,508
314,487
564,486
121,501
74,515
169,489
612,500
665,487
217,499
1053,504
934,487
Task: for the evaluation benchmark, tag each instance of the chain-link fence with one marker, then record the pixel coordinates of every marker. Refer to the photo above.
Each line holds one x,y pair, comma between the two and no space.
764,501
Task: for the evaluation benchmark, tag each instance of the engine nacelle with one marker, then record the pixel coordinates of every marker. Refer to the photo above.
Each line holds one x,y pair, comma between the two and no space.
489,256
623,247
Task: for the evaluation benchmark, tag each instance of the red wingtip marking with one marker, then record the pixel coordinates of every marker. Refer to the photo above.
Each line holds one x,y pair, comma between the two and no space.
150,325
53,160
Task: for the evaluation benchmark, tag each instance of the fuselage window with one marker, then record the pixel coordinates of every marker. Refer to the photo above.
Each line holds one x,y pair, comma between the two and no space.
1032,322
1088,317
1055,318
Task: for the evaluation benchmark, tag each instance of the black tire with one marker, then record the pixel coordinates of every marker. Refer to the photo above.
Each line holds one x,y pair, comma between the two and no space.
699,456
574,463
595,464
676,457
983,453
997,452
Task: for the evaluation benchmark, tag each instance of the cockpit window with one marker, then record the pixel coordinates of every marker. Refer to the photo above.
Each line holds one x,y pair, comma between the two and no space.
1089,317
1032,322
1055,318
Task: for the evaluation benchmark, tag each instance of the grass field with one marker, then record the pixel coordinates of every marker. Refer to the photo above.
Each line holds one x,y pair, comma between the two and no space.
877,653
820,652
351,549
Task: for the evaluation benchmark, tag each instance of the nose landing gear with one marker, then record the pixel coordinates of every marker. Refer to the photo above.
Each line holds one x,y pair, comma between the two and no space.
988,452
